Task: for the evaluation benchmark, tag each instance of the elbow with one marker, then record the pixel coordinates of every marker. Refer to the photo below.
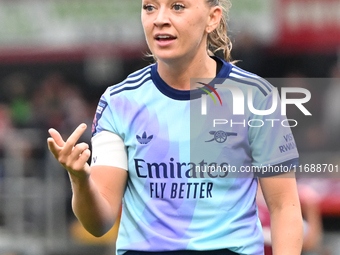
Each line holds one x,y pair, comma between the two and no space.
99,232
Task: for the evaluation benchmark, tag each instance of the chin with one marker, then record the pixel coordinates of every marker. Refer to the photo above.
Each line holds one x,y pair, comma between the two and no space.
168,56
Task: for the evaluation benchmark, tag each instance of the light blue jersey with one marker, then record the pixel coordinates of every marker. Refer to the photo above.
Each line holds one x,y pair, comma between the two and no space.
190,184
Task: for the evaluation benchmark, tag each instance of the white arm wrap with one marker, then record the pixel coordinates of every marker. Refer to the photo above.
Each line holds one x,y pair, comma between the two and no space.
108,149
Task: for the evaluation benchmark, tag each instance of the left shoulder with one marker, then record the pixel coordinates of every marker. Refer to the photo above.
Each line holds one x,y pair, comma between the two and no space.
250,80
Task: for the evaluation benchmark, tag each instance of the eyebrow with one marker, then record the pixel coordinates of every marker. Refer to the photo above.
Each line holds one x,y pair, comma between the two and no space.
154,1
157,1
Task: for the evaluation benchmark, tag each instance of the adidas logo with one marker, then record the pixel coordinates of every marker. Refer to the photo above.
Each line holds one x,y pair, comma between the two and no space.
144,139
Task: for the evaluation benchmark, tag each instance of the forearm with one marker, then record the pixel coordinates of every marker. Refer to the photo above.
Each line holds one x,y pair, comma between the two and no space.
287,230
91,208
314,229
97,191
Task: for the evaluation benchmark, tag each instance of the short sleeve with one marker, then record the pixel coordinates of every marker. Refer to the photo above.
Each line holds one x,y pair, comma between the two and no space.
108,147
272,144
104,118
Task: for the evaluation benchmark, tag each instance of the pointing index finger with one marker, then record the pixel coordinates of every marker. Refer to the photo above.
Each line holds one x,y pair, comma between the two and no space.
74,137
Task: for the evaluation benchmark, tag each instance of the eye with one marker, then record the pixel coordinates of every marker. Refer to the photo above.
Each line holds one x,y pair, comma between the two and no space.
148,7
178,7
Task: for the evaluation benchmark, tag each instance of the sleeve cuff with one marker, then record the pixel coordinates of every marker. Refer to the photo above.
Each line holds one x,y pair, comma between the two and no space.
281,168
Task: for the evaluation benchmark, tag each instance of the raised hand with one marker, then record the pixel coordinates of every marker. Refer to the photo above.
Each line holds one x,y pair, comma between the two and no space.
73,157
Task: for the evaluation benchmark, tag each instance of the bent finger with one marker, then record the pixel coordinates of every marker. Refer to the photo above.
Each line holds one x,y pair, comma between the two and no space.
81,163
77,151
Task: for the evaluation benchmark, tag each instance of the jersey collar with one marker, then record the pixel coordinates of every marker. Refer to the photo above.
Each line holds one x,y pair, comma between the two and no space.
176,94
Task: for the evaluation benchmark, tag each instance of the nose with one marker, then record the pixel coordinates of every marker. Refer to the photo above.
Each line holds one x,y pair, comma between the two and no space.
162,18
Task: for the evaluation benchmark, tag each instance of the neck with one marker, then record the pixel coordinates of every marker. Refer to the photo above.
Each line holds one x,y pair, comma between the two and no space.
177,74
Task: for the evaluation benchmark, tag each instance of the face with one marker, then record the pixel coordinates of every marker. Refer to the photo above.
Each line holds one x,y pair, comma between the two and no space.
176,29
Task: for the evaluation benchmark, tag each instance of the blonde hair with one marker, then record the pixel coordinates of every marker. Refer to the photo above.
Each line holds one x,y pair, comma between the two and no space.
218,39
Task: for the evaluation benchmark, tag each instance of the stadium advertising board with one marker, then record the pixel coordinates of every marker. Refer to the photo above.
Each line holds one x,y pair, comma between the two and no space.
308,24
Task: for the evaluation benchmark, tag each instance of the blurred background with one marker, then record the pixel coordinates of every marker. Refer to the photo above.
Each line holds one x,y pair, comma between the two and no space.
58,56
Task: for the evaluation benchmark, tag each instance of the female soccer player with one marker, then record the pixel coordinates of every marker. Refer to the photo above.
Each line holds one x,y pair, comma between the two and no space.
186,182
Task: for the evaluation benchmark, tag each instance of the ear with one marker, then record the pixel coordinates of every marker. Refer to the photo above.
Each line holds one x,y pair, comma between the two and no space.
214,18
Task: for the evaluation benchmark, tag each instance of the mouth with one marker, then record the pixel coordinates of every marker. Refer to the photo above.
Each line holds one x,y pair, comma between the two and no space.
164,37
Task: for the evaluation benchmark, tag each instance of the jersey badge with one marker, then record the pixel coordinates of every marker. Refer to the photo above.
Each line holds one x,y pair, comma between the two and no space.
220,136
100,109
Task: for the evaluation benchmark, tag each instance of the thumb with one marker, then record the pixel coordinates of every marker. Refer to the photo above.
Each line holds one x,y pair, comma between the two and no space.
53,147
56,137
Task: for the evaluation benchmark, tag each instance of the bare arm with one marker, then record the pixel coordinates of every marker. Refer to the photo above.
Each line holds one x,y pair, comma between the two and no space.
311,213
283,203
97,201
97,191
